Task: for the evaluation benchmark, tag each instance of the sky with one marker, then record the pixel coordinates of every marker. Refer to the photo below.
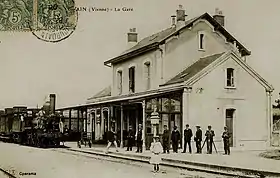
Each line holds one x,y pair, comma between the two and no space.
73,69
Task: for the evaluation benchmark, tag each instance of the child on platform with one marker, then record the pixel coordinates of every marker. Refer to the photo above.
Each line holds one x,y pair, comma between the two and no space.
156,149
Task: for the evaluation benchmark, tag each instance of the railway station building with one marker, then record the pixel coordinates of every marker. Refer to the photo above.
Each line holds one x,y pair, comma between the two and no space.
194,72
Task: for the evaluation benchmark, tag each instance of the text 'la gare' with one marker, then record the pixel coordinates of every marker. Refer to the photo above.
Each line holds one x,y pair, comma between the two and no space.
103,9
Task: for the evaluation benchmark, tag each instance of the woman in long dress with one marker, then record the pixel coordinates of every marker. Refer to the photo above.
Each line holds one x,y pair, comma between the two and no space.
156,148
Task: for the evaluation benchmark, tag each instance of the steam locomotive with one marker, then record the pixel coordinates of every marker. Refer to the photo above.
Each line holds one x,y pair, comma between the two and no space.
32,127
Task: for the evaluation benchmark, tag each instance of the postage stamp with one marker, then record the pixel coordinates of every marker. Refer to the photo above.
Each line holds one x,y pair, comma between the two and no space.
54,20
48,20
16,15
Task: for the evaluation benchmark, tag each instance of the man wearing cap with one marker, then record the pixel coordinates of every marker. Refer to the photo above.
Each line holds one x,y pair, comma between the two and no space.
175,137
187,138
130,139
209,139
226,137
139,139
165,139
198,139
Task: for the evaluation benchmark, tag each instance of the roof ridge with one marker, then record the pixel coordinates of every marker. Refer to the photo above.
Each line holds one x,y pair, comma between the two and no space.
145,44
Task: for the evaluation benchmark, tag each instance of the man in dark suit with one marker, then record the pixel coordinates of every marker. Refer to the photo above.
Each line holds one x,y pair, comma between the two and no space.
187,139
139,139
175,137
111,138
226,137
198,139
165,139
209,139
130,139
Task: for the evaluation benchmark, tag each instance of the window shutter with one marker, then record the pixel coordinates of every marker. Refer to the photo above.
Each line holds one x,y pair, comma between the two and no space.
130,78
119,81
147,75
133,79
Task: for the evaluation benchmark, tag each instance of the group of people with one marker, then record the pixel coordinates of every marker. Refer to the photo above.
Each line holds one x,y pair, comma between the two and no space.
131,138
175,139
157,148
188,134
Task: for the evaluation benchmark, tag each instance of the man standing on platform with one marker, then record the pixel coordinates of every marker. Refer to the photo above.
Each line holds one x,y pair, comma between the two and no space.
175,137
111,140
61,125
166,139
139,139
209,139
198,139
187,138
130,139
226,137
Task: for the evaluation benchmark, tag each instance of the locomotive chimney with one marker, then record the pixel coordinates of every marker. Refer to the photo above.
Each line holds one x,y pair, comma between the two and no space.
52,103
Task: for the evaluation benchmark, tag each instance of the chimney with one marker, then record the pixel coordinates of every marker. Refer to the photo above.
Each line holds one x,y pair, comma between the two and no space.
52,103
219,17
173,20
180,17
132,37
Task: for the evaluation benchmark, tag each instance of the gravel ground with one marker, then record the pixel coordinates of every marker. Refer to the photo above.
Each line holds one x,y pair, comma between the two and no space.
272,154
2,175
58,163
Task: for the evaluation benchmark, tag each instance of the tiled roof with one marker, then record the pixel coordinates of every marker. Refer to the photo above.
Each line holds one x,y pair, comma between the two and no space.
152,42
103,93
194,69
155,38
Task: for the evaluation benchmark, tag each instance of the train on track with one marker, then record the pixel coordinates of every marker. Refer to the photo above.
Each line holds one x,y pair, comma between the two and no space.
32,127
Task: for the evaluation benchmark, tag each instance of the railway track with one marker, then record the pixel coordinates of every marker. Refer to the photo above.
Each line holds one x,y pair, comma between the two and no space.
6,174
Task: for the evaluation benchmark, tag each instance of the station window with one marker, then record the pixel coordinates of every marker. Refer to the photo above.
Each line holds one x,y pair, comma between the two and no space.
148,75
120,82
230,77
201,41
132,79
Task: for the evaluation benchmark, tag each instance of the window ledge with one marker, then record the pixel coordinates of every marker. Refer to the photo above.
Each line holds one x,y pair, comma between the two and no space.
201,50
230,88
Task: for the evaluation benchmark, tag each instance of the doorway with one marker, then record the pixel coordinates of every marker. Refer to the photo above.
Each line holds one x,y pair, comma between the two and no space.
229,123
105,114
